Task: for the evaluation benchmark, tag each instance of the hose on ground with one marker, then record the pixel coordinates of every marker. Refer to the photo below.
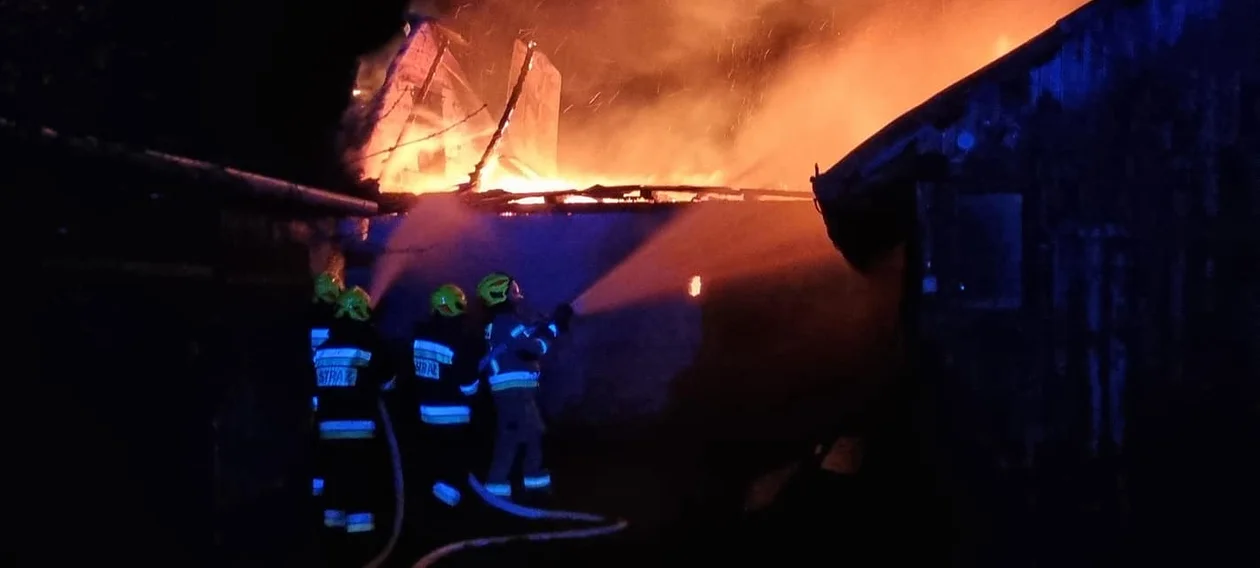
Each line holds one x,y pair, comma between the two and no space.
395,458
606,527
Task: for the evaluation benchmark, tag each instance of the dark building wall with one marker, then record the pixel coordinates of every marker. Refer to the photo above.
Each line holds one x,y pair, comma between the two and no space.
1090,293
170,316
1118,260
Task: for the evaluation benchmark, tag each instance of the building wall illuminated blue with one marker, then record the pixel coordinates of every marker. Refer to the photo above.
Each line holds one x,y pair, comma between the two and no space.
616,364
744,341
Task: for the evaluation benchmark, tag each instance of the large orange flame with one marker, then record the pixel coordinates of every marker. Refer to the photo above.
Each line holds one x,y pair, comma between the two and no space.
864,64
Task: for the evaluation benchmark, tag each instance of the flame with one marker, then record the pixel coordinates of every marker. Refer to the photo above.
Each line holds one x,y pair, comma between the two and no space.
524,184
854,71
497,177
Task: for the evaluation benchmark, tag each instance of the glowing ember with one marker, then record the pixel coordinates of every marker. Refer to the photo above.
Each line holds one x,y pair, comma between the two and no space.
693,287
497,178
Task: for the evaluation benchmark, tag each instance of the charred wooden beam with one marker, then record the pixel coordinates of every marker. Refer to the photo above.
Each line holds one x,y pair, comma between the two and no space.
250,183
474,178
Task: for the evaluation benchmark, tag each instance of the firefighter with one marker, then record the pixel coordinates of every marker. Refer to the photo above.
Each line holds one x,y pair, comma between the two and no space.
351,368
445,354
323,304
516,342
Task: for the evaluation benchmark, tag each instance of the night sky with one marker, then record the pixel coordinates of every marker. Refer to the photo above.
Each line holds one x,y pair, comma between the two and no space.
258,84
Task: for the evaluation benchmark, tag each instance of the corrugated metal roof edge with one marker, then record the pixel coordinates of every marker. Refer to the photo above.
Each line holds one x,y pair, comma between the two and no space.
254,184
943,108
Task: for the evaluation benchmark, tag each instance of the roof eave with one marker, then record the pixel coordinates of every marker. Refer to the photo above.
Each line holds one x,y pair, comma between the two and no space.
936,114
253,185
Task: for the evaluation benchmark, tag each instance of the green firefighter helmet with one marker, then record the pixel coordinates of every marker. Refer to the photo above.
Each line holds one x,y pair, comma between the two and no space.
327,288
354,304
448,300
498,287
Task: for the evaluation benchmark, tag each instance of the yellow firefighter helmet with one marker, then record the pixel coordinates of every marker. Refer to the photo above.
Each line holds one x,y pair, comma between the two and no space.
448,300
498,287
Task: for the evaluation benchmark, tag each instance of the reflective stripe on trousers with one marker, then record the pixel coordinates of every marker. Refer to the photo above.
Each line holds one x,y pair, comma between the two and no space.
440,415
470,388
347,429
514,380
537,481
360,522
499,489
446,494
334,518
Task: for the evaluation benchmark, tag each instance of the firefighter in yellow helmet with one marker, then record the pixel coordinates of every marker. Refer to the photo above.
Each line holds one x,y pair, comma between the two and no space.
446,351
351,368
516,342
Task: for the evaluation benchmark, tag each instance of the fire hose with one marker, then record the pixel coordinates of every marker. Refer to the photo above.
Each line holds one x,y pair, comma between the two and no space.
603,527
395,458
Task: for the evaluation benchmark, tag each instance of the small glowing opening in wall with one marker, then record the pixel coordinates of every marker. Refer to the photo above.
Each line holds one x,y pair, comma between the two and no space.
693,287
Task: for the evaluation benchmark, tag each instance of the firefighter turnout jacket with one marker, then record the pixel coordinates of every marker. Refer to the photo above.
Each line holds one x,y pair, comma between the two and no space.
515,347
445,358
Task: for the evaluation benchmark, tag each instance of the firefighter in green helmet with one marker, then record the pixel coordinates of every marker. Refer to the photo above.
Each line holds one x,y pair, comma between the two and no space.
323,304
446,351
326,290
351,369
516,343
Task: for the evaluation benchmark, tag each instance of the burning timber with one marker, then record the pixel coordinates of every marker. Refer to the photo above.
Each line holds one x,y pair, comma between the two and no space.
426,128
599,197
491,152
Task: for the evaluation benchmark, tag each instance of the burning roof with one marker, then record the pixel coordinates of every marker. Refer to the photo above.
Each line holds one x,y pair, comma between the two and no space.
600,195
425,128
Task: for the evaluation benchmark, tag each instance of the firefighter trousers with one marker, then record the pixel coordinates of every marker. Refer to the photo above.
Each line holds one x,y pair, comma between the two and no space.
355,491
446,467
519,430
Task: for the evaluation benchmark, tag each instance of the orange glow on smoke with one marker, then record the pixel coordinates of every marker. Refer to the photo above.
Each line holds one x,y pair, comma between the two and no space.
654,100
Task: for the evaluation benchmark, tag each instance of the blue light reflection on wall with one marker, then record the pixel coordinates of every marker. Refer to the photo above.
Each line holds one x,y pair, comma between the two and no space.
618,364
